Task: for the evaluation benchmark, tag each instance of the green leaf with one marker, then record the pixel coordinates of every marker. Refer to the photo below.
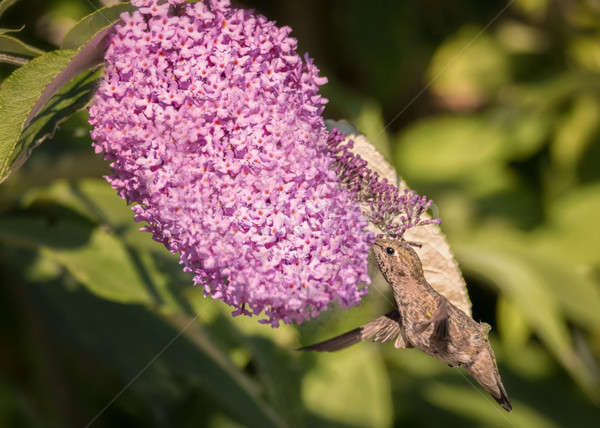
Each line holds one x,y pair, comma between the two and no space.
277,367
531,361
573,217
578,293
29,88
12,45
500,257
97,202
532,8
512,326
468,69
526,131
350,386
520,38
477,406
519,282
5,4
575,131
584,50
71,98
92,198
94,257
253,411
448,148
94,22
19,95
125,338
281,373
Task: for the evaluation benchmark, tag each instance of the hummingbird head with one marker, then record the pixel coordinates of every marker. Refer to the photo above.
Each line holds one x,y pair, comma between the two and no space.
397,260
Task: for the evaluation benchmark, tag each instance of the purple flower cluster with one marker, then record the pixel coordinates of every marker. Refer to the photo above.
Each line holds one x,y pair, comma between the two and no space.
212,123
384,205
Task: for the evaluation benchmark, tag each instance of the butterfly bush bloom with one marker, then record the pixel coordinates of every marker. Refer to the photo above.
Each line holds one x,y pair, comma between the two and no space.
392,212
212,123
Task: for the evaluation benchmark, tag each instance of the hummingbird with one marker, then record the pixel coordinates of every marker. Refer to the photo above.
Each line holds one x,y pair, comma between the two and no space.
425,320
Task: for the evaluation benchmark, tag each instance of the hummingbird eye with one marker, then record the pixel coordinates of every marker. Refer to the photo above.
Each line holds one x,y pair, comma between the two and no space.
389,250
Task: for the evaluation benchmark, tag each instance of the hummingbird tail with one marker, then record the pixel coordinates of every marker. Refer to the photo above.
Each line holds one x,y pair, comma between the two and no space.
485,371
503,399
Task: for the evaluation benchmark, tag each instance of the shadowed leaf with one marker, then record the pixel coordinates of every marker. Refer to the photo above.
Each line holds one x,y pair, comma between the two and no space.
12,45
127,338
5,4
91,255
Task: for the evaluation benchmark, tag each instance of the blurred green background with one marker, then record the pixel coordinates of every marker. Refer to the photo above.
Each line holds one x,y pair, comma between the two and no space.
498,123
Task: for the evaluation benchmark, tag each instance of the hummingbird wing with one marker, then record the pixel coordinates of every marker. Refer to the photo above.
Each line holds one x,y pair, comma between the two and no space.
382,329
441,329
441,324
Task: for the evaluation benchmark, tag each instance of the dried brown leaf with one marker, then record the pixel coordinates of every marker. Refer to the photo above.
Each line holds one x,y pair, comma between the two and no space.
439,265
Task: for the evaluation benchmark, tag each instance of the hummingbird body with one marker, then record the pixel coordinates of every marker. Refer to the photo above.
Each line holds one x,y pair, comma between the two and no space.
426,320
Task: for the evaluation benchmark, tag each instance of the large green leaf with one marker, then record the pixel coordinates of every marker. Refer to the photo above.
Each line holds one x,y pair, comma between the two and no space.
92,198
25,93
526,130
512,326
448,148
19,95
573,218
575,131
97,202
281,374
350,386
94,22
72,97
91,255
477,406
574,288
468,69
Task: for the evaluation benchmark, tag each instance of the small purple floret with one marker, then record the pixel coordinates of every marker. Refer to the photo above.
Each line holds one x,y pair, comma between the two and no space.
392,211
